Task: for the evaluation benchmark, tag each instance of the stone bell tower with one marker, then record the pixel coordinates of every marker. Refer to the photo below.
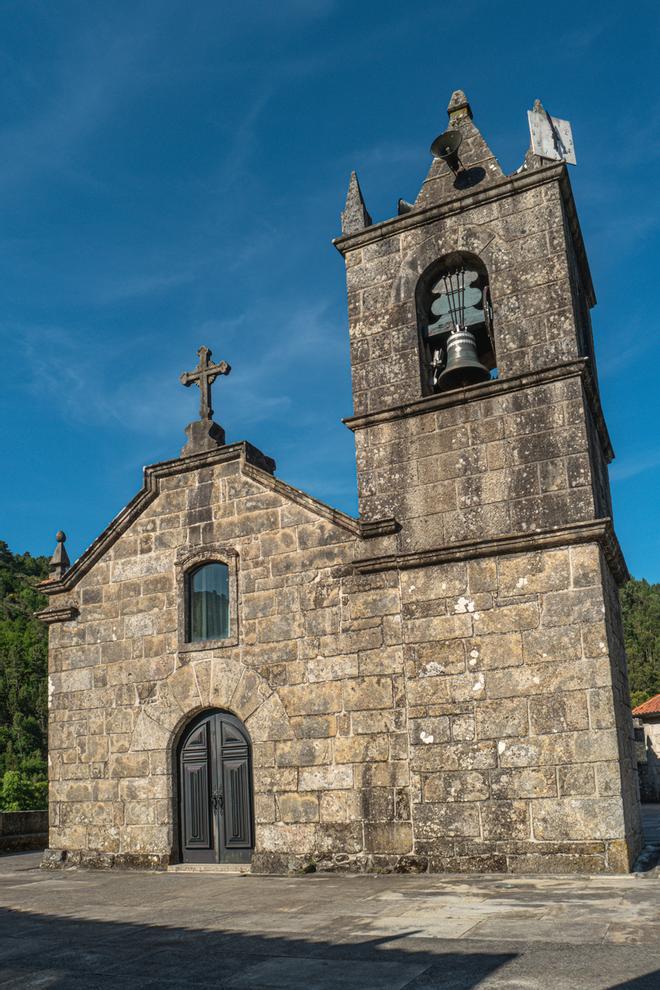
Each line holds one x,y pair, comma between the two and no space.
495,481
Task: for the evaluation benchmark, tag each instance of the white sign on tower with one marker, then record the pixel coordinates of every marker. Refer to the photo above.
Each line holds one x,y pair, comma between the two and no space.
551,137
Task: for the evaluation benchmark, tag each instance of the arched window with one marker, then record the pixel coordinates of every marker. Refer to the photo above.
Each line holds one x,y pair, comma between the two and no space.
454,316
208,603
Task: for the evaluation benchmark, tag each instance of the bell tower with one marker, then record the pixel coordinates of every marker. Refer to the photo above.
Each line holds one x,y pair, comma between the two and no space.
479,431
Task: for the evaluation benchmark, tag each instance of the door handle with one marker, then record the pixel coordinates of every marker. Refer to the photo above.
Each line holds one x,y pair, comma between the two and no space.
218,800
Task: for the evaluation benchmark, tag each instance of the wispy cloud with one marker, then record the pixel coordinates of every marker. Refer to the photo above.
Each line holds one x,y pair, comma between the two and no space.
633,465
136,285
88,380
75,101
383,154
626,348
580,38
243,142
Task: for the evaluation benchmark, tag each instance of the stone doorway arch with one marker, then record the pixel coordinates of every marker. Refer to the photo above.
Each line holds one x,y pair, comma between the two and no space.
209,683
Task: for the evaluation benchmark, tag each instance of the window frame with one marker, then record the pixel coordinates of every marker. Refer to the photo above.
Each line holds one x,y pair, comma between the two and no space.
187,563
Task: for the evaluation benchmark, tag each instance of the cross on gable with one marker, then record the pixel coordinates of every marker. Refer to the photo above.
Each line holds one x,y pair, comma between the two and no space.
204,375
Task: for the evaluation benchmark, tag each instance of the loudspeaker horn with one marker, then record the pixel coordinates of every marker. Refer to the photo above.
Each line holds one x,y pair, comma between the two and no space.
446,148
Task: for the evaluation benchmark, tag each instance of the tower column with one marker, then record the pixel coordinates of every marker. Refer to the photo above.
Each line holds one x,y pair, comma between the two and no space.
508,566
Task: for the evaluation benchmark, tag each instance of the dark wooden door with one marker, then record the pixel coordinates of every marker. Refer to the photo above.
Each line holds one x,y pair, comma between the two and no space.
215,791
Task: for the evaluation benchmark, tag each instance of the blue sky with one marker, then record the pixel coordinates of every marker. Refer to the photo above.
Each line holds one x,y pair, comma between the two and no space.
172,174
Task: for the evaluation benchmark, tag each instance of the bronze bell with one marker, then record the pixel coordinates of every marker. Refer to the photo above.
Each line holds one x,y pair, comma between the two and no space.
462,366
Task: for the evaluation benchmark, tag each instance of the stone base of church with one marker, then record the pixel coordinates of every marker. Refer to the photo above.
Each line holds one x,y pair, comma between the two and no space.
96,859
616,856
612,857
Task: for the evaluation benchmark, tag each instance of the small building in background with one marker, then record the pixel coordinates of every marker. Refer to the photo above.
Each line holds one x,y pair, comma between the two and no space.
647,738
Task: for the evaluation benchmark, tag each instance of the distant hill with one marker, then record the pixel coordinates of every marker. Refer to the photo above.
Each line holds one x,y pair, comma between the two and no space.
23,682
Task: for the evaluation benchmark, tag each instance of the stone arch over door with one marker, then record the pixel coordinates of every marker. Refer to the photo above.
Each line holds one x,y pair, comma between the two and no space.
208,683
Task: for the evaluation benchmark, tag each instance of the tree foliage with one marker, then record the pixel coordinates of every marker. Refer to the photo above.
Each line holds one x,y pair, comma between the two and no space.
640,604
23,682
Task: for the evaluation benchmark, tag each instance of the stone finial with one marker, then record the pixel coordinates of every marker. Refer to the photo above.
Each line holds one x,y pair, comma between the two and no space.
204,434
355,215
59,562
458,106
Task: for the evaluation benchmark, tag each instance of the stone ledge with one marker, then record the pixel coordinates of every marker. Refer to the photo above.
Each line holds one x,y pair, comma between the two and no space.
599,531
22,830
58,613
490,390
371,528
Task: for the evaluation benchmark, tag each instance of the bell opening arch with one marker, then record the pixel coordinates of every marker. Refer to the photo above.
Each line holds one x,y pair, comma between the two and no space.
455,323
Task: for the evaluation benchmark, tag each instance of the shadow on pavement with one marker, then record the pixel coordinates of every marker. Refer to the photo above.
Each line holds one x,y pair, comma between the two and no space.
60,953
649,982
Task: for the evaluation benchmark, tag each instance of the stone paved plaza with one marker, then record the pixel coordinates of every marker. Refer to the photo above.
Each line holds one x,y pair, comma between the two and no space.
81,930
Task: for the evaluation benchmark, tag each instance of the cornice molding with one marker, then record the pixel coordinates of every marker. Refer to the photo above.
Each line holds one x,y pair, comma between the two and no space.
65,612
509,185
419,217
372,528
598,531
302,499
578,368
468,393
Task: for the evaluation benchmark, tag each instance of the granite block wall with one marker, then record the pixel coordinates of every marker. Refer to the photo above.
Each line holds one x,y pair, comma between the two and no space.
456,716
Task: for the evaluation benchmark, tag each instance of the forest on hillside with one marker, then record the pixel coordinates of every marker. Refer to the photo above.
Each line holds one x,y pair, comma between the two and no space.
23,682
640,605
23,671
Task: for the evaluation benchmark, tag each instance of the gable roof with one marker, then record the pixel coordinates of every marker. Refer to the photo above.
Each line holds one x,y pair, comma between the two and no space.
650,707
255,465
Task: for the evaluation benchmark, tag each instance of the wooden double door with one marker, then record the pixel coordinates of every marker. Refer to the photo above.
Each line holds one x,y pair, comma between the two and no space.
215,791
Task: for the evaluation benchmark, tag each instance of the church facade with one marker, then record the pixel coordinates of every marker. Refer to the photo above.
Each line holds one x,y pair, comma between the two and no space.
241,674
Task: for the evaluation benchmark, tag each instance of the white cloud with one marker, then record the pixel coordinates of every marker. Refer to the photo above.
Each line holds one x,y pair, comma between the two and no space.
631,466
85,378
75,95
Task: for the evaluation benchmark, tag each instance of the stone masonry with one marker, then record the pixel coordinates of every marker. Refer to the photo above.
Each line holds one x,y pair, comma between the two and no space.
440,684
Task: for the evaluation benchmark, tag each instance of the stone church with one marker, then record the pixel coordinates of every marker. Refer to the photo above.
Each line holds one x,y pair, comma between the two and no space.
242,675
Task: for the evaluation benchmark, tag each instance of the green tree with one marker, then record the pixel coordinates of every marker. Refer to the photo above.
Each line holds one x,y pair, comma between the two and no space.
640,605
23,682
21,792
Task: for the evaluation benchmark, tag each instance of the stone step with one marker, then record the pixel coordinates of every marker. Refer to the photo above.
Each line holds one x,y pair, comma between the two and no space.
231,869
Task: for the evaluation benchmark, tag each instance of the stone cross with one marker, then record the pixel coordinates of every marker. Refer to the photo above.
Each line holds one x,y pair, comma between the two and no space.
204,375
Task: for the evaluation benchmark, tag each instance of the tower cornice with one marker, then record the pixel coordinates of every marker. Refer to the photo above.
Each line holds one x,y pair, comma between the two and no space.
508,186
491,390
